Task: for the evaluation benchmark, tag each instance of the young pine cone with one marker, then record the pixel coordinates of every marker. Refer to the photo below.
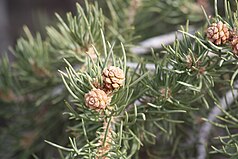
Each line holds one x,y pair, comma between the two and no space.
234,44
218,33
96,99
113,78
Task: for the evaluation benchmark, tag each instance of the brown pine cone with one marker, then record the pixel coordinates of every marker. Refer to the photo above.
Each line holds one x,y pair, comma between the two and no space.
113,78
234,44
218,33
96,99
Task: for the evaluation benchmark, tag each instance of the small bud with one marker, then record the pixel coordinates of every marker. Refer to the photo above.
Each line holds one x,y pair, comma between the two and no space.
165,92
234,44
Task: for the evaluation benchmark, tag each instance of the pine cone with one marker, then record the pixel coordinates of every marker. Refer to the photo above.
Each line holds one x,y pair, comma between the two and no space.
234,44
113,78
96,99
218,33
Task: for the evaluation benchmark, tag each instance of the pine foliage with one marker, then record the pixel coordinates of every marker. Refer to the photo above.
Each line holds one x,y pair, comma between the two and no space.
152,112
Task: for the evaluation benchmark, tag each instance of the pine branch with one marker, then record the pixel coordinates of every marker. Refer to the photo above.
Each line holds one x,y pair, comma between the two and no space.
119,102
206,128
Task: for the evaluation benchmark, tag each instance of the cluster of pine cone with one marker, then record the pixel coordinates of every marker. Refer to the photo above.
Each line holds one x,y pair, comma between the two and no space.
218,33
99,98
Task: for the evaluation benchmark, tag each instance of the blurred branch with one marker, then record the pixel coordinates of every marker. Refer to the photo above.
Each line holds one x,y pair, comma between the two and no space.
134,65
157,42
205,130
206,5
134,5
